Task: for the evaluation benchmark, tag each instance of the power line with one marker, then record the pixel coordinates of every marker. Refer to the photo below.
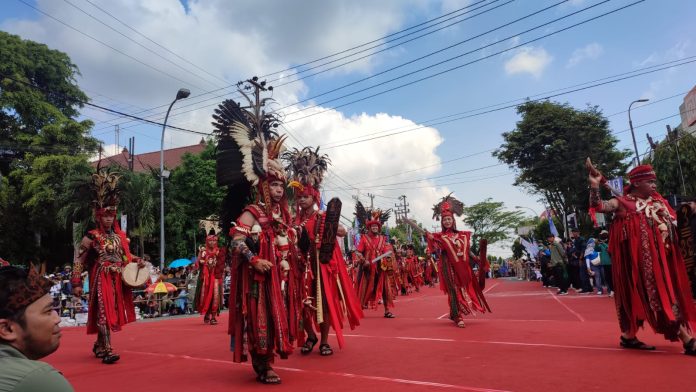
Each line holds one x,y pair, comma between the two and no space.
151,40
48,92
136,42
371,42
178,110
452,68
384,49
107,45
421,57
513,105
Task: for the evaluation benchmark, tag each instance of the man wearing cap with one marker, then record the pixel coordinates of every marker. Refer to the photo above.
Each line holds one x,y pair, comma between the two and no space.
558,264
28,331
650,281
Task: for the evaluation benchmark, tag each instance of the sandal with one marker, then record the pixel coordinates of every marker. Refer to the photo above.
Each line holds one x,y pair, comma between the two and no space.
325,350
690,347
265,378
98,351
213,321
110,357
309,345
206,319
460,324
635,344
389,315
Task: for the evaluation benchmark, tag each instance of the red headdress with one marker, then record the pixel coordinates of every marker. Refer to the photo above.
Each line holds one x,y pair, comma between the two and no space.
448,206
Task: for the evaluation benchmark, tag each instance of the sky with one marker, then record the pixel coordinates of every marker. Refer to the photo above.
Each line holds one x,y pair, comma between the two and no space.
401,95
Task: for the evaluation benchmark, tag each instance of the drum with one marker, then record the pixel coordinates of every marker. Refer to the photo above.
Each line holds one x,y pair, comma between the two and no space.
134,276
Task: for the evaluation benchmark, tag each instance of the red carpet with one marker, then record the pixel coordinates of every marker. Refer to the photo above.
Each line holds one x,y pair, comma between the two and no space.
534,341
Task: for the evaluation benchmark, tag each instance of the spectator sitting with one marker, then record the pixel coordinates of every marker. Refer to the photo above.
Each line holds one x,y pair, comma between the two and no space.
28,331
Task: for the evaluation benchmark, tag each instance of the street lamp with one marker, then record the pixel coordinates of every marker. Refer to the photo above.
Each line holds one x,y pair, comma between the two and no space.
181,94
630,124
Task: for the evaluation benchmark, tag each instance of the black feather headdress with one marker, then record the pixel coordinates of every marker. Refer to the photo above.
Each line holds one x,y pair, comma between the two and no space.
367,217
248,150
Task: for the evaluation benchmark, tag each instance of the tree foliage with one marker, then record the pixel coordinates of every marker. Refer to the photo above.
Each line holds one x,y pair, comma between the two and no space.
548,148
664,161
491,221
41,144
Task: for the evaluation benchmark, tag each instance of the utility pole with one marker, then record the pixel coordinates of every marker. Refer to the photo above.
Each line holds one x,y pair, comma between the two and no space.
673,135
402,214
117,141
372,200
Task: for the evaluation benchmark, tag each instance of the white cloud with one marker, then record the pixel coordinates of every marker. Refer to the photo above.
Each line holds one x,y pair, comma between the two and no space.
529,60
360,162
590,51
448,6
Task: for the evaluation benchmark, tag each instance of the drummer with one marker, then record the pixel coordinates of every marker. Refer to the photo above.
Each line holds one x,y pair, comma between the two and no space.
104,253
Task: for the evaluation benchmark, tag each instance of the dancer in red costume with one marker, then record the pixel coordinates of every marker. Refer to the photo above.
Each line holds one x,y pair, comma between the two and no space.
248,164
457,279
375,278
650,280
104,252
413,268
328,294
211,268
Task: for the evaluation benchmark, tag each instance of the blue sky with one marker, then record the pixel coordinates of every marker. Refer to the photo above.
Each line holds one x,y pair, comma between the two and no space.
234,40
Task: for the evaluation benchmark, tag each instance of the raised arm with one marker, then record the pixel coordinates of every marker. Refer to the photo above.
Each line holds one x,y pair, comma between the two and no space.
595,179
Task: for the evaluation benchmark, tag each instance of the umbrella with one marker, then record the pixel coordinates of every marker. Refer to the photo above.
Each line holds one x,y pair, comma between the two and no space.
180,263
160,287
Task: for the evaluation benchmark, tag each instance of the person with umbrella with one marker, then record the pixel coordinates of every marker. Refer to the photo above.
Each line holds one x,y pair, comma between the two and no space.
211,266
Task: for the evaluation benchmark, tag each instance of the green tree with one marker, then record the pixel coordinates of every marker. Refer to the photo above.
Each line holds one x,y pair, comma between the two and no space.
139,199
548,149
489,219
192,195
41,143
664,161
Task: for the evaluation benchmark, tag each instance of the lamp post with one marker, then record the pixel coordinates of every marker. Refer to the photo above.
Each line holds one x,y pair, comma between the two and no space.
181,94
630,125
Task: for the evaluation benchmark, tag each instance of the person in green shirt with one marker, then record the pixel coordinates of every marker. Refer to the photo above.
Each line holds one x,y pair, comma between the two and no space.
28,331
605,261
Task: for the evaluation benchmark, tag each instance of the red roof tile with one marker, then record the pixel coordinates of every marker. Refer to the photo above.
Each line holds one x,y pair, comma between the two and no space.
151,160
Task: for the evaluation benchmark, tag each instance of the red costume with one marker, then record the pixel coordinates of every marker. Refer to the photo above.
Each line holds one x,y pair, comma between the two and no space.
211,270
327,288
457,279
650,280
104,252
376,279
248,163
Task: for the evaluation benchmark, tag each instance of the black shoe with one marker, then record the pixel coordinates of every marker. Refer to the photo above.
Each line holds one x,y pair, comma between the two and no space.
635,344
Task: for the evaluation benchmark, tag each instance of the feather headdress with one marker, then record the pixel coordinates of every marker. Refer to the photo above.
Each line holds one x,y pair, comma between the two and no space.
448,206
306,169
367,217
105,191
248,149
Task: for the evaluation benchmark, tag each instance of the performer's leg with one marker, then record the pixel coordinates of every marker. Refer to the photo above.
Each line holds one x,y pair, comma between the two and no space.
108,356
688,341
385,296
262,366
312,339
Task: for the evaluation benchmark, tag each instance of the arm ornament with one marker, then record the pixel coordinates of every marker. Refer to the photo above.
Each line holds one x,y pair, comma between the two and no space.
239,246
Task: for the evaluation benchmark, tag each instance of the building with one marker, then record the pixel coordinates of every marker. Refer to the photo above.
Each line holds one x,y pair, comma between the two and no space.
151,160
687,110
